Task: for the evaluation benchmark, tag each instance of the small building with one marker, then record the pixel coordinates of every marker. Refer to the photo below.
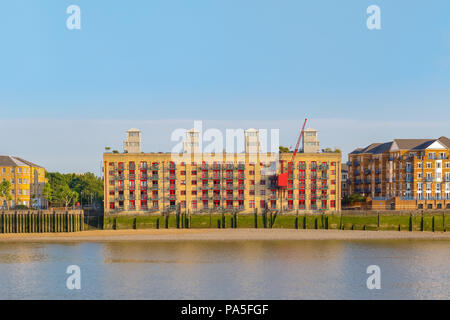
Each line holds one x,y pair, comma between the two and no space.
311,143
133,142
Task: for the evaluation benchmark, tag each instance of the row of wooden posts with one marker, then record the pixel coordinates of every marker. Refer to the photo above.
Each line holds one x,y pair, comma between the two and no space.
41,221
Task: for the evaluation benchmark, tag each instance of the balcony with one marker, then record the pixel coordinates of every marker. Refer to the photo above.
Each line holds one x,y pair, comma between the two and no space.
356,173
409,170
143,197
153,187
120,198
302,186
153,177
313,187
323,197
119,188
368,181
131,177
410,179
302,197
143,177
301,166
154,166
429,179
131,197
172,176
132,188
324,187
324,176
143,188
313,176
120,177
349,163
367,172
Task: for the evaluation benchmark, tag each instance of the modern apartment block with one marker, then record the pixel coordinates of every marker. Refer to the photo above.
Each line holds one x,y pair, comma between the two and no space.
156,182
27,181
402,174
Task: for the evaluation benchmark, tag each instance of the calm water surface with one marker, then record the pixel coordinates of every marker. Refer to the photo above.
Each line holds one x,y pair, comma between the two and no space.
226,270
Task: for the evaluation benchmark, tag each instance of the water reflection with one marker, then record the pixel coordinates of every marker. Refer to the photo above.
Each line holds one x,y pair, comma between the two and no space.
227,270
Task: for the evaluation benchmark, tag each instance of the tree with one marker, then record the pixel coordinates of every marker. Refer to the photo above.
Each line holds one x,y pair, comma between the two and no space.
47,193
88,187
5,191
283,149
66,196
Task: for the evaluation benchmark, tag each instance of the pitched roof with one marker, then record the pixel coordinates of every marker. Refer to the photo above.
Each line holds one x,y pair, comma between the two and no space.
8,161
409,144
445,141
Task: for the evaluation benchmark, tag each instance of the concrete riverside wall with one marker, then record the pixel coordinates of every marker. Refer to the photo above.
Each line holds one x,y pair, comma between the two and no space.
33,221
438,221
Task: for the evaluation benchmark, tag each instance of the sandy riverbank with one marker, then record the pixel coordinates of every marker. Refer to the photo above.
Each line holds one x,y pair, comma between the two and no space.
222,235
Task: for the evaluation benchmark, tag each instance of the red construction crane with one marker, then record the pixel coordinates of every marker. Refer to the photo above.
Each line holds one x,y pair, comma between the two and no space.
283,176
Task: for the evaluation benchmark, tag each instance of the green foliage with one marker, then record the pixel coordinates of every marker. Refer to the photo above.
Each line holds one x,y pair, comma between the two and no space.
66,189
5,191
352,198
284,149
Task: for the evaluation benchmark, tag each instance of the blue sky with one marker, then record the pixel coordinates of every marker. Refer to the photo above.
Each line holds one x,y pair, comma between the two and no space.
161,64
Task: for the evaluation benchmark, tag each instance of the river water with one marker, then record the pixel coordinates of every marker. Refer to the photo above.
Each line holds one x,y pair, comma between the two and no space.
410,269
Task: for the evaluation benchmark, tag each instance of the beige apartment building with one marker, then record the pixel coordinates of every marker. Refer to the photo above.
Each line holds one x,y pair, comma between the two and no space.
27,181
402,174
139,183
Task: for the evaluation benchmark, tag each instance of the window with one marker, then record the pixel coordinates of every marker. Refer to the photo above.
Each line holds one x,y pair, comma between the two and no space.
419,165
429,165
